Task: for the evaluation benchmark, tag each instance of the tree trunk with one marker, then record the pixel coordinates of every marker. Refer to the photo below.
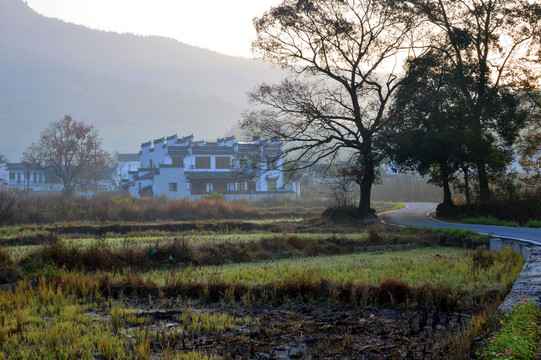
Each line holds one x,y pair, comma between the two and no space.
484,190
467,184
68,188
444,173
480,152
366,183
447,199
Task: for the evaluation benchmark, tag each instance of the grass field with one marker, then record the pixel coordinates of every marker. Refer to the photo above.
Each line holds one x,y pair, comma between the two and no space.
221,289
452,268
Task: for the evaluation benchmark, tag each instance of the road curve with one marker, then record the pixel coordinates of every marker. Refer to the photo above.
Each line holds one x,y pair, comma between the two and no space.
416,215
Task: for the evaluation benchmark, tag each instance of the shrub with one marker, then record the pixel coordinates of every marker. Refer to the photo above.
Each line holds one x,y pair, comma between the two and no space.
533,224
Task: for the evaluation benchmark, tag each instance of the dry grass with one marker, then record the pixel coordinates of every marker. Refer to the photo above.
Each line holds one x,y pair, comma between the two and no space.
53,208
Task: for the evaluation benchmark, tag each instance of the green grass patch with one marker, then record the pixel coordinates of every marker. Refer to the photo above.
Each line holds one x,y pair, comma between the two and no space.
519,335
383,206
489,220
449,267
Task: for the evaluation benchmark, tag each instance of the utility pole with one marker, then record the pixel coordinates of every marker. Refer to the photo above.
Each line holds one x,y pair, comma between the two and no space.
96,166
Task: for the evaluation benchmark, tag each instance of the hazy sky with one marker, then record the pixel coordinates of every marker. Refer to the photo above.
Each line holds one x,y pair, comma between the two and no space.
221,25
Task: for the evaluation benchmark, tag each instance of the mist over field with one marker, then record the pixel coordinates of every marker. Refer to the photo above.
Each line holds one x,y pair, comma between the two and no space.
132,88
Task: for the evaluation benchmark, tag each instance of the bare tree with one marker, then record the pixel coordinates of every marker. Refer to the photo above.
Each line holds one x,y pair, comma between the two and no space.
343,56
72,149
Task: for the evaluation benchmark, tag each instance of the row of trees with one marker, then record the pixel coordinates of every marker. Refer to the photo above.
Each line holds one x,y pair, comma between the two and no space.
434,86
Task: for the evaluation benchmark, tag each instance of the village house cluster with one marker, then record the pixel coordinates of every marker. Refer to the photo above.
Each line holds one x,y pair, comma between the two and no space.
177,168
184,168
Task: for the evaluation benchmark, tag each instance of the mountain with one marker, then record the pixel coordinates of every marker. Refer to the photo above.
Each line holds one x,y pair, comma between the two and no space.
132,88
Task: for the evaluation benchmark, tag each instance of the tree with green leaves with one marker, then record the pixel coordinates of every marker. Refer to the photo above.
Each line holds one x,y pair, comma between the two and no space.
343,60
431,132
428,133
529,144
487,41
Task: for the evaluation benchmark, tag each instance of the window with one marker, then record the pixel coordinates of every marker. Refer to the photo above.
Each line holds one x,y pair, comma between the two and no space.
178,161
202,162
272,162
251,187
11,176
198,188
151,163
241,187
223,162
173,187
271,185
220,187
18,178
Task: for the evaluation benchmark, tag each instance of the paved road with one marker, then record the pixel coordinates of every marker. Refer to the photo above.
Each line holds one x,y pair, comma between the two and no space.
416,215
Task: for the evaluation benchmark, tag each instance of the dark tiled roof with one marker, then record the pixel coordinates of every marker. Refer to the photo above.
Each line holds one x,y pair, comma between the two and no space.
188,138
217,175
148,143
20,167
168,166
178,151
148,176
229,138
211,150
127,157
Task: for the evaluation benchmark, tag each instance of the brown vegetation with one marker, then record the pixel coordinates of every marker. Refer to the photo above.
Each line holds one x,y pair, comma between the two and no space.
55,208
51,208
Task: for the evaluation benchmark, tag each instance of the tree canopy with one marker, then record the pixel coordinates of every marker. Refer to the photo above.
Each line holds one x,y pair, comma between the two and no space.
431,134
487,41
455,108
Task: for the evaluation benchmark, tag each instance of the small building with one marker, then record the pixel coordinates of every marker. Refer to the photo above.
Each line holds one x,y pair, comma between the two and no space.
124,164
184,168
22,176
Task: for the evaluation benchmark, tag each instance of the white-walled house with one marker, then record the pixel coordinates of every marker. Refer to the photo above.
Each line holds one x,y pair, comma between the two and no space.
23,176
181,167
124,164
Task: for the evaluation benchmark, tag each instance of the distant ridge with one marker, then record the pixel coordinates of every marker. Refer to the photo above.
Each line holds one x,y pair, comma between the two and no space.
130,87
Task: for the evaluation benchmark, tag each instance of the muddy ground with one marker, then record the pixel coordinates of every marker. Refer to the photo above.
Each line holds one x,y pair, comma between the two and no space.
295,331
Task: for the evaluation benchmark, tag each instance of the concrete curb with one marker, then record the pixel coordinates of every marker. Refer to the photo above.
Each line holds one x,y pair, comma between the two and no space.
528,283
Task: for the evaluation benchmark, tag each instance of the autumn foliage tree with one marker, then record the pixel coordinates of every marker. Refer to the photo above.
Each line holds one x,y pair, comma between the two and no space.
71,148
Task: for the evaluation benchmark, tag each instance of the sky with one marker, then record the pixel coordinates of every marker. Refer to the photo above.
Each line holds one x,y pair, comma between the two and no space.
224,26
